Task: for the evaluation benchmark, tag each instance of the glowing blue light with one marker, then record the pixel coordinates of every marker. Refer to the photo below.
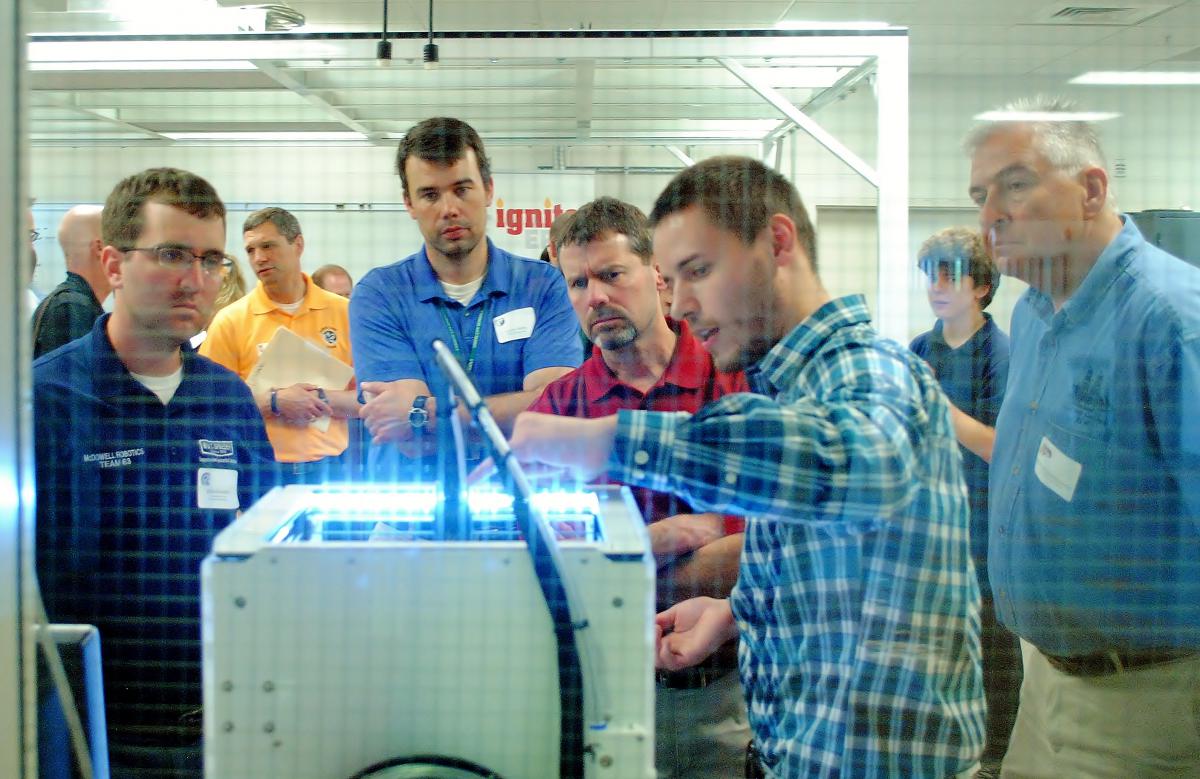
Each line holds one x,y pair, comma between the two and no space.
418,502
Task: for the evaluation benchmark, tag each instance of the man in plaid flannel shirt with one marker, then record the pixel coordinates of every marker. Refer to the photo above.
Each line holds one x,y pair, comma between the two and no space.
856,604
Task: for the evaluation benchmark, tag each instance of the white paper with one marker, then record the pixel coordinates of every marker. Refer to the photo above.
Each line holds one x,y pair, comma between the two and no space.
216,488
515,325
288,359
1058,472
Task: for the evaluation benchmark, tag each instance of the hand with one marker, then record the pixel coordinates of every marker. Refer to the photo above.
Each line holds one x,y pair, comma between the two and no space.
683,533
299,404
688,632
540,442
386,412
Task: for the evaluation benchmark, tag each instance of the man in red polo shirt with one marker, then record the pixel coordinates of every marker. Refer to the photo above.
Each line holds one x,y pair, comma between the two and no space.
643,360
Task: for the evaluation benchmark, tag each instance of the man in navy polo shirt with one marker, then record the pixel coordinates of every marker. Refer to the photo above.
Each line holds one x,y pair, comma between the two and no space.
645,361
145,451
969,356
506,317
1094,544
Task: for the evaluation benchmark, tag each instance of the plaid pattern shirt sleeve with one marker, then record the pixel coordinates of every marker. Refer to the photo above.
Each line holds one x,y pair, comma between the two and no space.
857,603
847,458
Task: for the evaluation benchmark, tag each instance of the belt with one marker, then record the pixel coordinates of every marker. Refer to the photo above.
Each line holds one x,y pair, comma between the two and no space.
1113,662
694,678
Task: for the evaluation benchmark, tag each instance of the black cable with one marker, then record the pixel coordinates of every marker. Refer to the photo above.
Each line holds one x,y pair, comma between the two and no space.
571,742
429,761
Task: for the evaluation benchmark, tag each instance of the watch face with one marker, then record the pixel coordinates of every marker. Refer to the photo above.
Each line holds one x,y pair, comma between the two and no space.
417,417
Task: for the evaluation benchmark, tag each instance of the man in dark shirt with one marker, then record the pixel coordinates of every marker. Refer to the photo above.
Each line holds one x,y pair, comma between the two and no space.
145,451
969,356
71,309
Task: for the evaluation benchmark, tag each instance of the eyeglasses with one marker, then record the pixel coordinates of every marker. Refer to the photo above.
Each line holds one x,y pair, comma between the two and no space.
35,235
216,265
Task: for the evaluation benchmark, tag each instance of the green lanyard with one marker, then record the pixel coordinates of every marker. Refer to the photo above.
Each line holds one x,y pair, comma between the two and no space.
458,352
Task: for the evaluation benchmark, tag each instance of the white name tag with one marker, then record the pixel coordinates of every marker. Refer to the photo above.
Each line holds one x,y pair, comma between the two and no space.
216,488
515,325
1058,472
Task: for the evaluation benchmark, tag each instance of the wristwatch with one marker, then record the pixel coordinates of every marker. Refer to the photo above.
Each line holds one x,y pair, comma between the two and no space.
418,416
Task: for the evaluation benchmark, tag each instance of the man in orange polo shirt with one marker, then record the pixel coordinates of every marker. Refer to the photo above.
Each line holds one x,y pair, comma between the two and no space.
296,415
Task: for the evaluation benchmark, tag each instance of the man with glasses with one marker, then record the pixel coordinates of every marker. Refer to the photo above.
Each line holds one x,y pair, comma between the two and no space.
73,307
305,422
144,452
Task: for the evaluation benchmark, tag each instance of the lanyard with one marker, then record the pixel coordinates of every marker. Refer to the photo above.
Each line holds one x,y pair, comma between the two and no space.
458,352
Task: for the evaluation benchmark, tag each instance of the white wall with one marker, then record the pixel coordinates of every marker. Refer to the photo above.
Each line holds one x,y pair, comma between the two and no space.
1155,139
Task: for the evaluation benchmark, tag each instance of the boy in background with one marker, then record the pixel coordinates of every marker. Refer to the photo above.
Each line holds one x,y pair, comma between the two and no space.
969,356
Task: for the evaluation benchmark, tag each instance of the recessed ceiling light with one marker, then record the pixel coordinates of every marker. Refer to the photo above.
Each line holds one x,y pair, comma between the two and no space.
1138,78
1046,116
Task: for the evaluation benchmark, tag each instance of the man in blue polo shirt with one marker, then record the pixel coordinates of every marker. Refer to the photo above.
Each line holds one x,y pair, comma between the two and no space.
1094,546
507,318
144,451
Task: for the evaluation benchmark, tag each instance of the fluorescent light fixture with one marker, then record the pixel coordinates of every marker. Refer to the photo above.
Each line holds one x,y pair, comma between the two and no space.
267,136
194,50
1128,78
1046,116
142,66
788,24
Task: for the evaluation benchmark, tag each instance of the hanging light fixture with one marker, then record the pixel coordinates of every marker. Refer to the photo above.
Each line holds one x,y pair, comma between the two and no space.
383,51
429,55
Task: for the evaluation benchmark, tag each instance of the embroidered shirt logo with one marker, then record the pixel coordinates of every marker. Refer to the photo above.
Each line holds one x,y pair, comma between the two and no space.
330,336
215,451
117,459
1090,392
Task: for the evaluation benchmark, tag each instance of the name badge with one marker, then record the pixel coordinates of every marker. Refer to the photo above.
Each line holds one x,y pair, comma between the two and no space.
514,325
216,488
1056,471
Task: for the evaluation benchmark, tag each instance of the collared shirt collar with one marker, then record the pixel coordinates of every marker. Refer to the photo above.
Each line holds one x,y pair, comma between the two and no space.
111,379
685,369
80,284
261,303
983,333
497,280
779,366
1108,267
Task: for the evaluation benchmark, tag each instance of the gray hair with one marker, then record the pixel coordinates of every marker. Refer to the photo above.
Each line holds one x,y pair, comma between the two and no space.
1070,146
287,224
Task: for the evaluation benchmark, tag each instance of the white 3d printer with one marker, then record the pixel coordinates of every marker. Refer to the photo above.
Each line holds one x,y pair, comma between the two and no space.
366,631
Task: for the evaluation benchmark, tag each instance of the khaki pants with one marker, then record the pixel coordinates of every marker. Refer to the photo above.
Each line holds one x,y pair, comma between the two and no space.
702,733
1141,724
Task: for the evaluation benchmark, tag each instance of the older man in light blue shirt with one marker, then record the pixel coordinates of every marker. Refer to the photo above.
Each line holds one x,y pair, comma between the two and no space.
1094,544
